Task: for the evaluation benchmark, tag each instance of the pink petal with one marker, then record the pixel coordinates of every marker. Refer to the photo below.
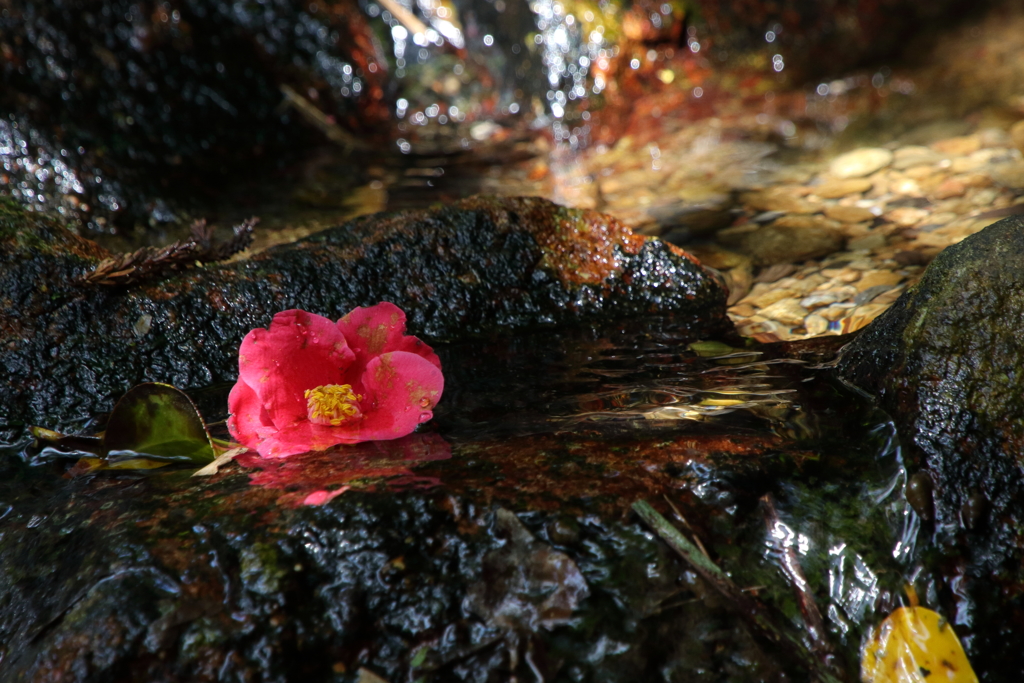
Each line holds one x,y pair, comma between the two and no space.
401,391
299,351
321,497
249,423
379,329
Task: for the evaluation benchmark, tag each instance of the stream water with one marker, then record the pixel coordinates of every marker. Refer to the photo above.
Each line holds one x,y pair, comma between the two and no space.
703,152
740,124
792,482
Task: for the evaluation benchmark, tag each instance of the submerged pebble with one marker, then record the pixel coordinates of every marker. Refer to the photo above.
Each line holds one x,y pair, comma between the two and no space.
919,495
860,162
974,511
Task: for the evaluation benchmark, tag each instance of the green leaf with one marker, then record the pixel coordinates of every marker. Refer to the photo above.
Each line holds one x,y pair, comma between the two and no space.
722,353
419,657
159,420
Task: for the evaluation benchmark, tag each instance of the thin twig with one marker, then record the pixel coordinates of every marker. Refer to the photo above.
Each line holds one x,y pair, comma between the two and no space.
331,130
684,603
752,611
404,16
794,572
149,262
682,520
462,655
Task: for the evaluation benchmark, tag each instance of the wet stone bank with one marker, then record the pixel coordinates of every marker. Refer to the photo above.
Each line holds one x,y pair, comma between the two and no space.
71,347
507,551
945,361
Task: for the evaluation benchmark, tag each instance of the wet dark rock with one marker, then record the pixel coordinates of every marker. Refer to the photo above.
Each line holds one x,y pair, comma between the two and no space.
919,495
945,361
221,584
125,104
790,239
975,511
121,112
68,349
525,585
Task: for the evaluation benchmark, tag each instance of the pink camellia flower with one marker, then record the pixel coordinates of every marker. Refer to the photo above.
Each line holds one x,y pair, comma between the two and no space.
306,383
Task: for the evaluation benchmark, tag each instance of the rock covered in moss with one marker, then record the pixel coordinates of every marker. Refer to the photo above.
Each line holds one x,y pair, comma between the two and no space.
947,362
224,585
68,350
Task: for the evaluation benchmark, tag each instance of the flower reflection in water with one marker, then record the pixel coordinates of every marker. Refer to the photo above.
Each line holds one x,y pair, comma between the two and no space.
316,477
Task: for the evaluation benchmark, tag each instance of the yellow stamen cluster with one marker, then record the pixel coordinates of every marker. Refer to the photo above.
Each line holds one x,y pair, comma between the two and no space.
332,404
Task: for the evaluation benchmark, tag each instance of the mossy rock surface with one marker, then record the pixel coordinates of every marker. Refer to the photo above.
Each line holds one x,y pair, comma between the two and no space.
68,350
139,581
947,363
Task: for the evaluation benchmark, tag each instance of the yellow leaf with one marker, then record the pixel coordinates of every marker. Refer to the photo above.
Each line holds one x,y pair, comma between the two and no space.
220,461
915,645
721,402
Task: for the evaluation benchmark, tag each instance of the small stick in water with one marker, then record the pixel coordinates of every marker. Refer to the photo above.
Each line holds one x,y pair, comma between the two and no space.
404,16
752,611
331,130
791,568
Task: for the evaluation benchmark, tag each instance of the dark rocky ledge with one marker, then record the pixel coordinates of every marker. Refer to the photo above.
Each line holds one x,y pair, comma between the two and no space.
68,349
